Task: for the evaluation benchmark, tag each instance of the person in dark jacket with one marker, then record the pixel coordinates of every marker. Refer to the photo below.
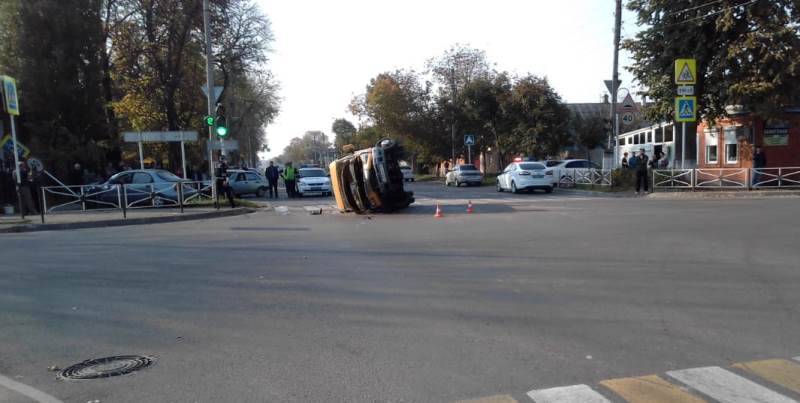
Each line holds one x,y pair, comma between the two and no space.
641,172
222,182
759,163
272,174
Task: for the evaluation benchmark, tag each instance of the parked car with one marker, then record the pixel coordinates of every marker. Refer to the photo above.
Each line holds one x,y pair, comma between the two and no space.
313,180
247,182
464,173
567,172
525,176
408,174
140,184
370,180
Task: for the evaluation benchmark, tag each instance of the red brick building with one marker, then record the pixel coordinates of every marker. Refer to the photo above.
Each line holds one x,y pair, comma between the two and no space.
731,142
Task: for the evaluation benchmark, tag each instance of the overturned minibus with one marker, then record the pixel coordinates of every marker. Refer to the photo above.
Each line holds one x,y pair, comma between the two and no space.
370,180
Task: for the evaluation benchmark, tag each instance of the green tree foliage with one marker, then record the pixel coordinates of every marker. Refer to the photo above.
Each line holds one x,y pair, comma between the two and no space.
513,115
345,133
57,64
105,66
312,146
746,50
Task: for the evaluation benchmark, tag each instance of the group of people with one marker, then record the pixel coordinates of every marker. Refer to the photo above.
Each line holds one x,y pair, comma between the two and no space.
29,185
640,163
288,174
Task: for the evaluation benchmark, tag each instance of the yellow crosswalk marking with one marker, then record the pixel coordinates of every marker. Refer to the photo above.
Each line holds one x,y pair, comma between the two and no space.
649,389
492,399
781,372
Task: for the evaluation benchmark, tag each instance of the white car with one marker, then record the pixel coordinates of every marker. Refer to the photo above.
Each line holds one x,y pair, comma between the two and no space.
525,176
464,173
408,174
568,172
313,181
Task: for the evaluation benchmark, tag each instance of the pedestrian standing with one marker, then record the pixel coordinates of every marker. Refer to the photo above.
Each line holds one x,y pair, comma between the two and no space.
222,182
759,163
641,172
26,182
272,176
625,161
289,178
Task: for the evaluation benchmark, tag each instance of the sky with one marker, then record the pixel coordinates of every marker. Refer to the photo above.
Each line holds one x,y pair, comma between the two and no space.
325,52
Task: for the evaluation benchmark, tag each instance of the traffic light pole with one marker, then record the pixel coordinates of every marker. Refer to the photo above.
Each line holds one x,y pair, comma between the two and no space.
210,85
612,142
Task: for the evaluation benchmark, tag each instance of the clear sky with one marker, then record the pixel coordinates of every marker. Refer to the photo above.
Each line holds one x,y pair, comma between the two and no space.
325,51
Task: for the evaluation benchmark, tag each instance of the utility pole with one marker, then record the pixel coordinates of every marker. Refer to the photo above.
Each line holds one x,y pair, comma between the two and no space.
612,139
453,116
210,85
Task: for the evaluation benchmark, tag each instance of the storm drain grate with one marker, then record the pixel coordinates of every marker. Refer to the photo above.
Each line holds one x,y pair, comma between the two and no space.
106,367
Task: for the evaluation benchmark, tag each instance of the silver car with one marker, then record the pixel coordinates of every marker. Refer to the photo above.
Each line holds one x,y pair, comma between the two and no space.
247,182
464,173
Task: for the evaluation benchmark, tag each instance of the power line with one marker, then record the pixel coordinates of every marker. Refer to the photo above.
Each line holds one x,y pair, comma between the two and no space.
693,8
749,3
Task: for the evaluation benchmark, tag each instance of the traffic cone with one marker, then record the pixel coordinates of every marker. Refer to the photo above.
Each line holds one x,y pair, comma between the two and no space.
469,207
438,212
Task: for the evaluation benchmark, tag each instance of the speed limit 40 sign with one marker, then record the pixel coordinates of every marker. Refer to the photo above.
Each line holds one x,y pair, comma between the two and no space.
627,118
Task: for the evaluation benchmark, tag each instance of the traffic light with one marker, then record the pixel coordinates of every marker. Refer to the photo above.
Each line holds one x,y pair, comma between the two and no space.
222,129
219,120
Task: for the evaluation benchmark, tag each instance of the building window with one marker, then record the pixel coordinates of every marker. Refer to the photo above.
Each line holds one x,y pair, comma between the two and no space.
711,154
641,138
731,153
649,137
659,135
636,139
668,134
731,145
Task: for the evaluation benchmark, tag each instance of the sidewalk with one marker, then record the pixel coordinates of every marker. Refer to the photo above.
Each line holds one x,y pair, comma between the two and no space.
113,218
722,194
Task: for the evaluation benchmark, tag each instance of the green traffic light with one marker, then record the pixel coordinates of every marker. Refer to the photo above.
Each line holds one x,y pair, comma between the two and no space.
209,120
222,131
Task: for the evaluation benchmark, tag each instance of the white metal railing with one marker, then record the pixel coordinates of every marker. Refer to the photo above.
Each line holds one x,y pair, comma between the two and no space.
721,177
569,177
673,178
727,178
775,177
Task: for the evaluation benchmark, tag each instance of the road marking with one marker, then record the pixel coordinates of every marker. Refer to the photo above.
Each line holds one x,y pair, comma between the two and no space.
27,391
781,372
727,387
567,394
491,399
649,389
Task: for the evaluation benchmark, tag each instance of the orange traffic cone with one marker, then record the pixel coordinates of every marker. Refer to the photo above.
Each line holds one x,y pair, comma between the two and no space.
469,207
438,212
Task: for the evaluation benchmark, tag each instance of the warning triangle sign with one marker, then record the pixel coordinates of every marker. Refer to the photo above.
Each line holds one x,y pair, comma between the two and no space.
628,104
686,74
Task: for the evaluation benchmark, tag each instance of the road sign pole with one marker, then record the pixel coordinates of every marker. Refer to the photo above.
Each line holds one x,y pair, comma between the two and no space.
469,153
183,158
616,141
141,153
16,165
209,83
683,146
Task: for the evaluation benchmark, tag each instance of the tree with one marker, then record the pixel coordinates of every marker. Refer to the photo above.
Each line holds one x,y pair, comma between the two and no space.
311,147
484,102
539,118
345,133
589,132
57,64
746,51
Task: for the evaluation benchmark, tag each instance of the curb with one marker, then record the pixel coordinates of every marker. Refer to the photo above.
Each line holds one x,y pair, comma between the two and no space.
593,193
717,194
127,222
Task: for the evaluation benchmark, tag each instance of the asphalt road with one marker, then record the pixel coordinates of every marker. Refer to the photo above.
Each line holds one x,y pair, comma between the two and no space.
546,291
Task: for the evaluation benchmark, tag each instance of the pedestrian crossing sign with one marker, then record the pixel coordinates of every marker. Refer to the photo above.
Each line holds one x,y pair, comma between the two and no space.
469,139
686,71
686,109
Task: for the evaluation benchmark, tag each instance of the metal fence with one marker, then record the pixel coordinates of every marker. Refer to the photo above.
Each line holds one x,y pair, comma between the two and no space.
673,178
124,197
727,178
583,176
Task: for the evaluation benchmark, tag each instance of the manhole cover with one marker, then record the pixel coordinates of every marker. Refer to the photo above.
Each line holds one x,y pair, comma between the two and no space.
107,367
